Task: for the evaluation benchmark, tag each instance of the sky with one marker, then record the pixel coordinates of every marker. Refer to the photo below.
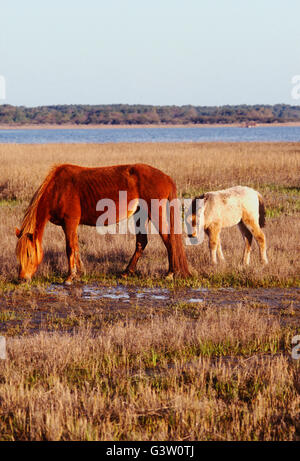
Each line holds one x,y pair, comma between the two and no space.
158,52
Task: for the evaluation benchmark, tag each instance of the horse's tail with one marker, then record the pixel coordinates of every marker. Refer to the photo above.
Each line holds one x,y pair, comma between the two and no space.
179,263
262,211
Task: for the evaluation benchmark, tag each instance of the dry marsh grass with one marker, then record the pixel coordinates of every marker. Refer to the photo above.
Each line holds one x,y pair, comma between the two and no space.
192,165
222,376
94,371
272,168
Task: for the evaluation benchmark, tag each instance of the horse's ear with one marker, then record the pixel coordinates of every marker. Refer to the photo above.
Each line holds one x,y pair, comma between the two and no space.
29,236
18,232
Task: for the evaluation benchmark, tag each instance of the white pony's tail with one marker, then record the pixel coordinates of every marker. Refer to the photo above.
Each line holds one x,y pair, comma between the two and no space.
262,212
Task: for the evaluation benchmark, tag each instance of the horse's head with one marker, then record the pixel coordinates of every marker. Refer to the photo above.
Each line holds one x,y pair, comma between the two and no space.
29,253
194,220
190,221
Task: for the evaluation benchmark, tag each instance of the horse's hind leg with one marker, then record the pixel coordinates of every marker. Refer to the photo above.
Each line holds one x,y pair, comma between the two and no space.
259,236
248,241
166,238
141,242
72,249
79,264
261,240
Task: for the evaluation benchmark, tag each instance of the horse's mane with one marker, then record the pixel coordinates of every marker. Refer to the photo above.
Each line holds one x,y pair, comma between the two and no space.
28,225
29,220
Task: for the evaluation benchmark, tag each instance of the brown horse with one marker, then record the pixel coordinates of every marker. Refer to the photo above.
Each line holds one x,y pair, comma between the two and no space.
68,197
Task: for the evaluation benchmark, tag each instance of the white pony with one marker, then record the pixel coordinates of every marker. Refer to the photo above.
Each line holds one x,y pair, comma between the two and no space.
225,208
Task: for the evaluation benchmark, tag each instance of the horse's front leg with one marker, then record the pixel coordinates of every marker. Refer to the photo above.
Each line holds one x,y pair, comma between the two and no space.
219,250
72,250
213,234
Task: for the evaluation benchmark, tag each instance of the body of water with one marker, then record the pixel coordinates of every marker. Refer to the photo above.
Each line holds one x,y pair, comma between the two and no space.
151,134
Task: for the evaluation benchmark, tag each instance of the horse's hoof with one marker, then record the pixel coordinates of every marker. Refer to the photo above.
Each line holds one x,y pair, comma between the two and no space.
68,282
23,281
170,276
126,274
193,273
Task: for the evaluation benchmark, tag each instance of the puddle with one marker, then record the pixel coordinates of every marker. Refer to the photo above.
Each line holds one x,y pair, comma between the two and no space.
89,292
275,298
128,294
124,294
61,305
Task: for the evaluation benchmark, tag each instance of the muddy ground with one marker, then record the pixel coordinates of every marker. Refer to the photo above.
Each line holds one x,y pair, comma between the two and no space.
57,307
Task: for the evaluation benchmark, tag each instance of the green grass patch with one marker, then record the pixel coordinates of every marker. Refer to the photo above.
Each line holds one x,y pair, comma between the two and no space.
289,190
230,279
10,203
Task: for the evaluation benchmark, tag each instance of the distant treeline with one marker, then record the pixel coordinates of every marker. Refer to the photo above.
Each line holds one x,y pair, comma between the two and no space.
119,114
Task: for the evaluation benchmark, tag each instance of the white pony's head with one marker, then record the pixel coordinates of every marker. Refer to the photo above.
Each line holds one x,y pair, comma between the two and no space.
195,221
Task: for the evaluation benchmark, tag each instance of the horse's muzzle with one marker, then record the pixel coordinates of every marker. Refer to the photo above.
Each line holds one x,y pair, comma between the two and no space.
24,278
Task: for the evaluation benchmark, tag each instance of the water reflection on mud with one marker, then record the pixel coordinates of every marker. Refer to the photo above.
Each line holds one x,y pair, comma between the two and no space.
268,297
62,308
128,294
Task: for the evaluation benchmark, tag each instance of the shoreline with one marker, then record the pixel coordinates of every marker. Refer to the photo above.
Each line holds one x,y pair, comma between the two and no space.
142,126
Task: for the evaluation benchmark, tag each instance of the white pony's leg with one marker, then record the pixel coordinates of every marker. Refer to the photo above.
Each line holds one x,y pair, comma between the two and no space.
213,255
248,241
219,250
263,250
246,256
214,233
258,235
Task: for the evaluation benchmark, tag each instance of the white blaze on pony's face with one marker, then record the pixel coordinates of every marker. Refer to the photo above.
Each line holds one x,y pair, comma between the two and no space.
29,253
191,226
194,221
